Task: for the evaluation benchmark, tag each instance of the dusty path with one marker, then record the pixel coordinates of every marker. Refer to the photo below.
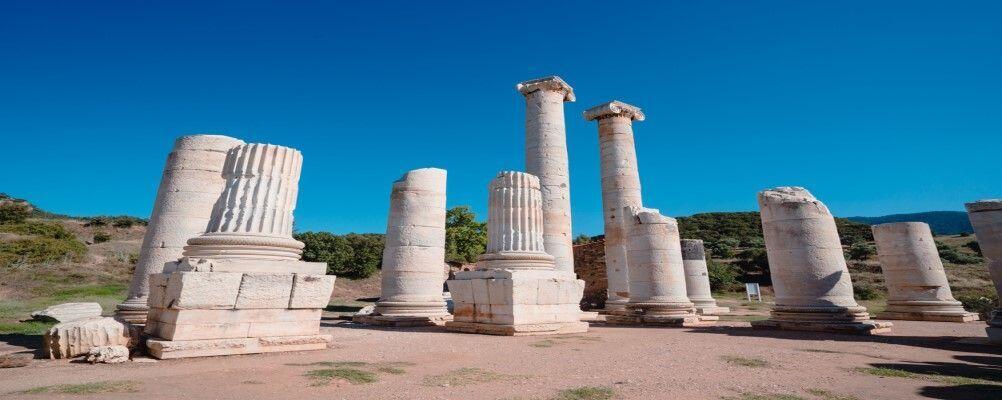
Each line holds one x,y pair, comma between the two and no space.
636,363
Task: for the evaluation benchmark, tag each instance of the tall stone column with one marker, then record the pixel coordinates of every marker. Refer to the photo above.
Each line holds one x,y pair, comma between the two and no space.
697,278
189,188
241,288
657,278
546,158
986,217
916,281
809,272
412,272
516,289
620,188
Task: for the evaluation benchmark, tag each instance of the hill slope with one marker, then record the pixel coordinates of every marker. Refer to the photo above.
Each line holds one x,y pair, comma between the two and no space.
941,222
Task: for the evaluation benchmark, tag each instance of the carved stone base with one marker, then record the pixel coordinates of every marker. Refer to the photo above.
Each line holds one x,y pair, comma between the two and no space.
614,308
402,321
671,321
518,330
866,327
592,316
133,311
929,316
712,310
166,349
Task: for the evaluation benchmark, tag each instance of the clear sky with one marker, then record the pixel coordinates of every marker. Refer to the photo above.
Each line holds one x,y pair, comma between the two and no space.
877,107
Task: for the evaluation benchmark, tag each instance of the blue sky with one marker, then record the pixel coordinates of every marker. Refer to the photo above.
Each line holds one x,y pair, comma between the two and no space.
877,107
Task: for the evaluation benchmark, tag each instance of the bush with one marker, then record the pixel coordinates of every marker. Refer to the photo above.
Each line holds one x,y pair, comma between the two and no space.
352,256
865,291
101,237
36,228
860,252
980,302
40,249
13,211
952,255
753,260
465,238
974,246
723,276
583,239
97,221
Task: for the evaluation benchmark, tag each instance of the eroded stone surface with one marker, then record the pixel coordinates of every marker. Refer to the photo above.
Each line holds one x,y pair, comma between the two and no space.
76,338
986,217
697,278
108,354
67,312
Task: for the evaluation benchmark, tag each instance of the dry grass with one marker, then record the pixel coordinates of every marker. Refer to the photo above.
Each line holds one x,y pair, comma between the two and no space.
88,388
464,377
747,362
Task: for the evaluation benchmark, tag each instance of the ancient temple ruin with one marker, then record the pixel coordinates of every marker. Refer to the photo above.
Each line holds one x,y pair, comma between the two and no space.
986,217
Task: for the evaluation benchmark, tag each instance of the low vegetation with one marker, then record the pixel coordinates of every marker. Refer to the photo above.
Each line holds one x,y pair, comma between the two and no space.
747,362
355,372
585,393
88,388
828,395
770,396
885,372
464,377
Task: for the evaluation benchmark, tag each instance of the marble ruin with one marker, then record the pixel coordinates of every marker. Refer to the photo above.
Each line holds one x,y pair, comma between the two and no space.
809,273
412,272
189,189
697,278
546,158
916,281
516,289
240,287
657,278
78,337
986,217
620,188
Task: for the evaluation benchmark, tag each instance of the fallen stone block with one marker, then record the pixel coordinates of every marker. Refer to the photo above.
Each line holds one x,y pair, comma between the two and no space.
67,312
76,338
108,354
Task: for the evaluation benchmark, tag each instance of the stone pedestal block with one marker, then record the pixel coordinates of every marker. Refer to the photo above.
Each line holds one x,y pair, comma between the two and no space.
809,273
986,217
620,188
697,278
916,281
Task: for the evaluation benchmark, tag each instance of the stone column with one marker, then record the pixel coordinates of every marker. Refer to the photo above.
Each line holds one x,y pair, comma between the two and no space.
546,158
657,278
189,188
411,289
516,289
697,278
986,217
809,272
253,219
620,188
916,281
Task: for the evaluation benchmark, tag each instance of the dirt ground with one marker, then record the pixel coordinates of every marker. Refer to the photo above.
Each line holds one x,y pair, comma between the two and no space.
728,361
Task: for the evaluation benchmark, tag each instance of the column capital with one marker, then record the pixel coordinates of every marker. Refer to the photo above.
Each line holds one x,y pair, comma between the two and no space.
552,82
612,109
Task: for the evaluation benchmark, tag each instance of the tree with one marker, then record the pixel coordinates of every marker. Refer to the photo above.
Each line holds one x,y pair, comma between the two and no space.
465,238
352,256
583,239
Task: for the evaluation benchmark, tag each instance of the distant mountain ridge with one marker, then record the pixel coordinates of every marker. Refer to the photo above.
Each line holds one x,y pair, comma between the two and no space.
941,222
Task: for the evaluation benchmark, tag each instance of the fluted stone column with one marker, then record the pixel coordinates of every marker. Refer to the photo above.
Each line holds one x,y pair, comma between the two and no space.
809,272
253,218
620,188
240,287
516,289
189,188
916,281
411,289
697,278
986,217
546,158
657,278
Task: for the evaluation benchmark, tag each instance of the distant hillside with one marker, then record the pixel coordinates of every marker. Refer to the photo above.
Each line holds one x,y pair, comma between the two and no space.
746,228
941,222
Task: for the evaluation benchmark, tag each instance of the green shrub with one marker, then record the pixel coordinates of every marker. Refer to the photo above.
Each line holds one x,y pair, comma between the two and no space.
13,211
982,302
723,277
352,256
974,246
865,291
465,238
97,221
583,239
37,228
101,237
753,260
953,256
860,251
40,249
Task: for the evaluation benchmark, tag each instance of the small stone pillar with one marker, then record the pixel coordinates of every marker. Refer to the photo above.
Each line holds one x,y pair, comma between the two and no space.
546,158
809,273
516,289
412,278
916,281
697,278
190,186
240,288
620,188
986,217
657,277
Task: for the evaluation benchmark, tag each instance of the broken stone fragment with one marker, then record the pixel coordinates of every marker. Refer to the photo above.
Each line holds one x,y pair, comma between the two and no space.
67,312
76,338
108,354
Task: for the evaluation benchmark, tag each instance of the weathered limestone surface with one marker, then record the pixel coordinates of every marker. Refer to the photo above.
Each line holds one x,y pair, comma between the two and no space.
657,278
986,217
809,273
620,188
412,273
916,281
240,287
697,278
67,312
76,338
189,189
515,289
108,354
546,158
